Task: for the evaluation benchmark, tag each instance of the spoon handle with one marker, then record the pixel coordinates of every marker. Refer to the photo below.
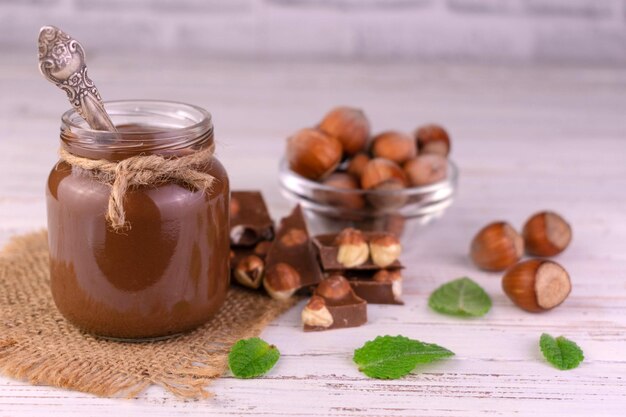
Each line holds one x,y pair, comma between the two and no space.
62,61
86,99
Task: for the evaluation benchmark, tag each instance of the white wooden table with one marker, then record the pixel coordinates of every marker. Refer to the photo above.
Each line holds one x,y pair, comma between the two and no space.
525,139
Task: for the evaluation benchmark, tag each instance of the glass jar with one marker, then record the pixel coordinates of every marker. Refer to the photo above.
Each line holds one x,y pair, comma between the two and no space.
168,271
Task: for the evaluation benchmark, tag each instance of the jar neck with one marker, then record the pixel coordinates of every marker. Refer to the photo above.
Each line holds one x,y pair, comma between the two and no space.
144,128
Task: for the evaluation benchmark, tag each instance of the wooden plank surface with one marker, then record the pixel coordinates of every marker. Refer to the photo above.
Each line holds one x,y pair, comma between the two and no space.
525,139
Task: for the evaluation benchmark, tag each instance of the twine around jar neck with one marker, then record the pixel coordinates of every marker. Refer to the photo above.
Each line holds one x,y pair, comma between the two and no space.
143,170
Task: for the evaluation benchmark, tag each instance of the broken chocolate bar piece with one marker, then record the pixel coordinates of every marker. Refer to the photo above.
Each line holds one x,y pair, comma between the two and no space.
381,287
328,250
291,262
334,305
250,221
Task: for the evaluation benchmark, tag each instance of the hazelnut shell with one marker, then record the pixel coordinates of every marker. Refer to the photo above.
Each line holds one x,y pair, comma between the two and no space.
340,198
546,234
426,169
349,126
537,285
388,200
433,139
356,165
313,154
395,146
496,247
380,170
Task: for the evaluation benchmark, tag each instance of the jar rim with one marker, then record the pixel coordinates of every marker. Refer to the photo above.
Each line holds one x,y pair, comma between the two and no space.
170,126
72,119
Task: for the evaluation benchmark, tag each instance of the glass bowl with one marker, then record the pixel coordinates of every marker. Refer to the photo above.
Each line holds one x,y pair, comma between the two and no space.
402,212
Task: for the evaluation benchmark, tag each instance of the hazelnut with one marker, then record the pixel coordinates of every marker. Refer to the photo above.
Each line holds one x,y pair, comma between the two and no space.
342,197
385,198
546,234
433,139
379,170
352,248
395,146
426,169
349,126
294,237
385,249
334,288
281,281
356,165
537,285
316,313
393,277
262,248
496,247
313,154
249,271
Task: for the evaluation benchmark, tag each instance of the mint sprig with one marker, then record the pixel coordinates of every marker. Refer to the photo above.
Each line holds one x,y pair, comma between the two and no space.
461,297
563,353
392,357
249,358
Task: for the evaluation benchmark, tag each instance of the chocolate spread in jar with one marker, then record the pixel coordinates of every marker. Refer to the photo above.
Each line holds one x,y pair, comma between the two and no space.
166,274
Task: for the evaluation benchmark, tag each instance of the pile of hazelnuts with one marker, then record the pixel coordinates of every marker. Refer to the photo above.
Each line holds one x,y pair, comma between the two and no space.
534,285
340,152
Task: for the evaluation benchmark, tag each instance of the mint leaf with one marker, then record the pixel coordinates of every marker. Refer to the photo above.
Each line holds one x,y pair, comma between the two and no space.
249,358
561,352
461,297
392,357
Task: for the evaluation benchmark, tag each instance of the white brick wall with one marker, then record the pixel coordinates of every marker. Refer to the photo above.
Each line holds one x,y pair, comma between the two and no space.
577,31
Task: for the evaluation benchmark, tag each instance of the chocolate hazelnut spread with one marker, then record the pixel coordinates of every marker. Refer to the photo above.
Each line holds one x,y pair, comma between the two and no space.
168,272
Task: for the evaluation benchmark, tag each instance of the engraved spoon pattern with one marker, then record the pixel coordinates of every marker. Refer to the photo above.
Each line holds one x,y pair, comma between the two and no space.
62,61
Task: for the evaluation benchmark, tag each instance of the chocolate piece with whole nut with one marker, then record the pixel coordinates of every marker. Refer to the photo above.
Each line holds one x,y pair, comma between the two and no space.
248,264
334,305
250,221
291,260
249,270
384,249
380,287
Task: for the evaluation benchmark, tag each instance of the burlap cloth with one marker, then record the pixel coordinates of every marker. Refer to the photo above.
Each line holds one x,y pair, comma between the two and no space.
38,345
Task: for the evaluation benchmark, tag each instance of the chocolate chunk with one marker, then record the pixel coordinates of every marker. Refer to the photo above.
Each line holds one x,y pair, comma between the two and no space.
334,305
250,221
292,247
327,251
380,287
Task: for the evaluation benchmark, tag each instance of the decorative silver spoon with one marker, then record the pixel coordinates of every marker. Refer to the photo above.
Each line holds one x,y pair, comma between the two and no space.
62,61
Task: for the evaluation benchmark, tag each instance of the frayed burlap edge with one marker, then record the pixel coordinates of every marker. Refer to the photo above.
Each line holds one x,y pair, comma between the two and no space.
39,346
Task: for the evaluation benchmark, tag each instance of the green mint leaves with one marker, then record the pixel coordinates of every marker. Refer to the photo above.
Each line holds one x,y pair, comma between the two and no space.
461,297
249,358
392,357
561,352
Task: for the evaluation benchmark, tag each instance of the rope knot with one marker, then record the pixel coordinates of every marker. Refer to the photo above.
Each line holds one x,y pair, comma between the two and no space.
142,170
